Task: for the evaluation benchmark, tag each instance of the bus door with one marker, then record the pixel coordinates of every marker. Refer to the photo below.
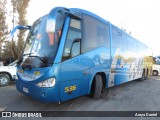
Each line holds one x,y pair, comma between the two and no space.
70,72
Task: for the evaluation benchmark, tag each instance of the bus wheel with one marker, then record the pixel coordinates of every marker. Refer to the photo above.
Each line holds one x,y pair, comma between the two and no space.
146,76
155,72
143,76
98,84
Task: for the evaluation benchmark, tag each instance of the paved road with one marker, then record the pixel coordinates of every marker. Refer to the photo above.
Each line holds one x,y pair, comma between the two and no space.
131,96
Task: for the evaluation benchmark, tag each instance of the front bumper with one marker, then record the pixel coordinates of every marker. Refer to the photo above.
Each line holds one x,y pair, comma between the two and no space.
14,77
38,93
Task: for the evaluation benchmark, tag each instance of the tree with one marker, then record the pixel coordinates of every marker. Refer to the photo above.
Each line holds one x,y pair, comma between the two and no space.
20,6
8,52
3,26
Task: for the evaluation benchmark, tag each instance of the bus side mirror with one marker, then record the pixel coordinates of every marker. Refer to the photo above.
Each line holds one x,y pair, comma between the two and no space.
75,47
20,28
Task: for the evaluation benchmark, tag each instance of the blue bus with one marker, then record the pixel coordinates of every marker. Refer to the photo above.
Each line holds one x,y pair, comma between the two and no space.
72,52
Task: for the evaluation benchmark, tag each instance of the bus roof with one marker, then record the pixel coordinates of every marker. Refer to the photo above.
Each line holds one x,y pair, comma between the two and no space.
89,13
103,20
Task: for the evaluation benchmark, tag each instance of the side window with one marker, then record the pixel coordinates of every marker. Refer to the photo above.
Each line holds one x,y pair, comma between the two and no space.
107,35
96,34
119,39
132,51
141,49
157,61
72,45
102,35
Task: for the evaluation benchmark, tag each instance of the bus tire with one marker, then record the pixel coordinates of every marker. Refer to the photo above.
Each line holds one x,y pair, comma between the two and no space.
98,84
104,93
146,75
143,76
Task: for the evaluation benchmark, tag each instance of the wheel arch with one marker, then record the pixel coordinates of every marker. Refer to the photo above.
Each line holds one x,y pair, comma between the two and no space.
7,74
155,71
104,80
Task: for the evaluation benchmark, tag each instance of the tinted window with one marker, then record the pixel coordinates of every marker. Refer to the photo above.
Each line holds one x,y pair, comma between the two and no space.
141,49
133,44
74,33
157,61
96,34
119,39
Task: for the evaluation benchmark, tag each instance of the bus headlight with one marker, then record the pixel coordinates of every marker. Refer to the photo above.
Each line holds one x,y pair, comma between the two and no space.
47,83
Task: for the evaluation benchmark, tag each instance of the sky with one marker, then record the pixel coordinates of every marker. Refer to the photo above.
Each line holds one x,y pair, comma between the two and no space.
141,17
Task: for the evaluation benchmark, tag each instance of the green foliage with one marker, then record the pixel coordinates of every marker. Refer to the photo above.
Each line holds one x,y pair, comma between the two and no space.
3,26
12,49
20,6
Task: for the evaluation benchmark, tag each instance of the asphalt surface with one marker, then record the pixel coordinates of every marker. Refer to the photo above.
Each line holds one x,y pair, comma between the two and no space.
131,96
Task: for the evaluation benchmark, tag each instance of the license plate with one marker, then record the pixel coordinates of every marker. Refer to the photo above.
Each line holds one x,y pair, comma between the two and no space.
25,89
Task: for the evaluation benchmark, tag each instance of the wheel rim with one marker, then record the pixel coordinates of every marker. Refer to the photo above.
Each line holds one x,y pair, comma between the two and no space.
154,73
3,80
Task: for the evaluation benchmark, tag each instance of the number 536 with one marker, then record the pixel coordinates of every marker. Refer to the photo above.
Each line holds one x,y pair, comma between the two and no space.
70,88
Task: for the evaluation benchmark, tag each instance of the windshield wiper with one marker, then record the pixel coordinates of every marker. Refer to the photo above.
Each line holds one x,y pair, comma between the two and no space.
27,54
38,58
21,58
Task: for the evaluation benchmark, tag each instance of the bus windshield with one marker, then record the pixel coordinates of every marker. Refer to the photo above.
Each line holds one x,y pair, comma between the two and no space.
41,44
